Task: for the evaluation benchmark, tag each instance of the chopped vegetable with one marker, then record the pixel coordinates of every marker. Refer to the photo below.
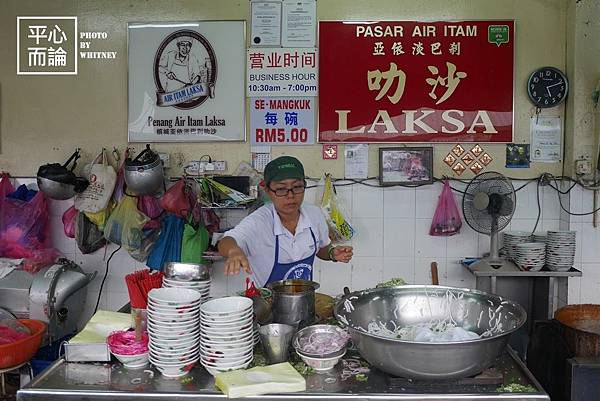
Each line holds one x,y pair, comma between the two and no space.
303,368
186,380
516,388
391,283
361,377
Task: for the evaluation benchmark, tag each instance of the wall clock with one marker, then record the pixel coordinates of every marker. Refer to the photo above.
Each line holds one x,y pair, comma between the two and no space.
547,87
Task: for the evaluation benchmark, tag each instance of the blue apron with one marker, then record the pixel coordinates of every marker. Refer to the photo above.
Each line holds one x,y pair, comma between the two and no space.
301,269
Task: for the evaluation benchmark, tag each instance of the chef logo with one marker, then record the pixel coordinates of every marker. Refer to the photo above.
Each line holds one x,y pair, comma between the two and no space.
301,270
185,70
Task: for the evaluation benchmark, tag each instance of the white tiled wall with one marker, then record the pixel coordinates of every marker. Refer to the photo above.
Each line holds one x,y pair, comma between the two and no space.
392,240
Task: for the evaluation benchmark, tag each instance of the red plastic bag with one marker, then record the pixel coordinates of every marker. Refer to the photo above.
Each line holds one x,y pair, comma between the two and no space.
176,200
6,186
446,220
69,217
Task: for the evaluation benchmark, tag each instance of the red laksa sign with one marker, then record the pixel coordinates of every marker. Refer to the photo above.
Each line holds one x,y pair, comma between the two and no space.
411,81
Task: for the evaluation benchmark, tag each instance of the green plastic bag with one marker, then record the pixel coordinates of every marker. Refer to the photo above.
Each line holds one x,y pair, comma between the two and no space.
194,242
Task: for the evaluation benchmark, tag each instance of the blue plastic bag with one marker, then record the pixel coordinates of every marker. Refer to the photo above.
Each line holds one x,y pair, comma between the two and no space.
168,246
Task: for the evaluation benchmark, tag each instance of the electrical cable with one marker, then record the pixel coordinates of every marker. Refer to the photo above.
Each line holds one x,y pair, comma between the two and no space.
539,206
104,278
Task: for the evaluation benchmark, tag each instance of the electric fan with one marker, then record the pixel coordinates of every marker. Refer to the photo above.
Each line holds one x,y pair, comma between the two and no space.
488,205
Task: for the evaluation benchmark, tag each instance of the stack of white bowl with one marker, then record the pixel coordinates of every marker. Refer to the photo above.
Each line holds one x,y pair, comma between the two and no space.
226,334
513,238
202,286
530,256
174,329
560,250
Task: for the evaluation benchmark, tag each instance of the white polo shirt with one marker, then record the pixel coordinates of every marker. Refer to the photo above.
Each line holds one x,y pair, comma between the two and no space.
256,233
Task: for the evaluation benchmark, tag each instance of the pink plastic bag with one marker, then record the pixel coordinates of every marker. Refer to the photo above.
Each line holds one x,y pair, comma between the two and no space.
446,220
24,229
68,219
150,206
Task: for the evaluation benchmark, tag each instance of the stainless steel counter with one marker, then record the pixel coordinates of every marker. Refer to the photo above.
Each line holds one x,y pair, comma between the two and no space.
65,381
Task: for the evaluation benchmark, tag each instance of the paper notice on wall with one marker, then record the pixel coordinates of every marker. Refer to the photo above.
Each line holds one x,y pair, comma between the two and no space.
299,25
546,139
266,23
356,161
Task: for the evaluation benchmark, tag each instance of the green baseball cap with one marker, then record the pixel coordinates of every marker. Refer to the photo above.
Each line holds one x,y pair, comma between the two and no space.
283,168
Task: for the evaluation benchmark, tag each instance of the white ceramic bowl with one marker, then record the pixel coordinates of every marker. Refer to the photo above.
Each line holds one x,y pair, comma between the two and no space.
321,364
174,296
229,364
133,361
227,306
226,353
215,371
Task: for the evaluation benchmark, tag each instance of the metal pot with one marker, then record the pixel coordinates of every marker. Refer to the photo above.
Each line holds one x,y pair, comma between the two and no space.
580,327
293,302
412,304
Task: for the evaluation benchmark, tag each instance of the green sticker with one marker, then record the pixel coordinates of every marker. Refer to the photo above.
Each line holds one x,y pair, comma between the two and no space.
498,34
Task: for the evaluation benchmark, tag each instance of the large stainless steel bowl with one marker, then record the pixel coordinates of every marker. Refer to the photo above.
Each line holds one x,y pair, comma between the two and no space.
409,305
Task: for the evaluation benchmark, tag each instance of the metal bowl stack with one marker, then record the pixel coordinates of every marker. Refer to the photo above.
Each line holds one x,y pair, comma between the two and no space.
412,305
188,275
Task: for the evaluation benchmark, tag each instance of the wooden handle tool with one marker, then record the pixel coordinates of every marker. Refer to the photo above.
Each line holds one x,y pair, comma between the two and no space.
434,274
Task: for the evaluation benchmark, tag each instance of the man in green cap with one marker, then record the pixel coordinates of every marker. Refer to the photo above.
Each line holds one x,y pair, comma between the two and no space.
280,240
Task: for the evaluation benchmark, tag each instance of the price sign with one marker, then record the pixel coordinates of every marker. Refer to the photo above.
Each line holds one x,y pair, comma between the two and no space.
282,121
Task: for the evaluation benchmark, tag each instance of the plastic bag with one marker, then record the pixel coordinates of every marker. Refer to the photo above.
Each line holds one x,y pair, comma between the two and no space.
150,206
69,219
24,229
149,238
100,218
176,200
102,179
168,246
124,226
194,243
339,226
6,186
446,220
88,236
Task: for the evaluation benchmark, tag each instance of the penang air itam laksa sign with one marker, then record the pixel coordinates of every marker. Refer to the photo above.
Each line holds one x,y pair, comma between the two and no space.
186,81
411,81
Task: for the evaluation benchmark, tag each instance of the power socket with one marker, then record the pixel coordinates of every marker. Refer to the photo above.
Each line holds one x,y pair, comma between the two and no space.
583,167
220,165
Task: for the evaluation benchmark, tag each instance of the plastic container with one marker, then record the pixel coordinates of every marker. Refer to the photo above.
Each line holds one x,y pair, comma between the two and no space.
23,350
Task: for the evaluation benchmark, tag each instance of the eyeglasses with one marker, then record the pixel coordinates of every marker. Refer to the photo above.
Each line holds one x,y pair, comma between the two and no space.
281,192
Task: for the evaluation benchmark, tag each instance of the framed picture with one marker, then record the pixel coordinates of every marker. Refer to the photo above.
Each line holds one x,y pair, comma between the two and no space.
406,165
186,81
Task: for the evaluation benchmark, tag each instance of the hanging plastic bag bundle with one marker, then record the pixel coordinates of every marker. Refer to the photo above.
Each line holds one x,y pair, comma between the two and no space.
102,178
88,236
339,226
68,220
168,246
125,224
446,220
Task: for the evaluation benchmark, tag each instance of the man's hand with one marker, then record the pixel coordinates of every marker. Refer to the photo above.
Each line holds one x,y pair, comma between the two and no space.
171,75
236,260
343,253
